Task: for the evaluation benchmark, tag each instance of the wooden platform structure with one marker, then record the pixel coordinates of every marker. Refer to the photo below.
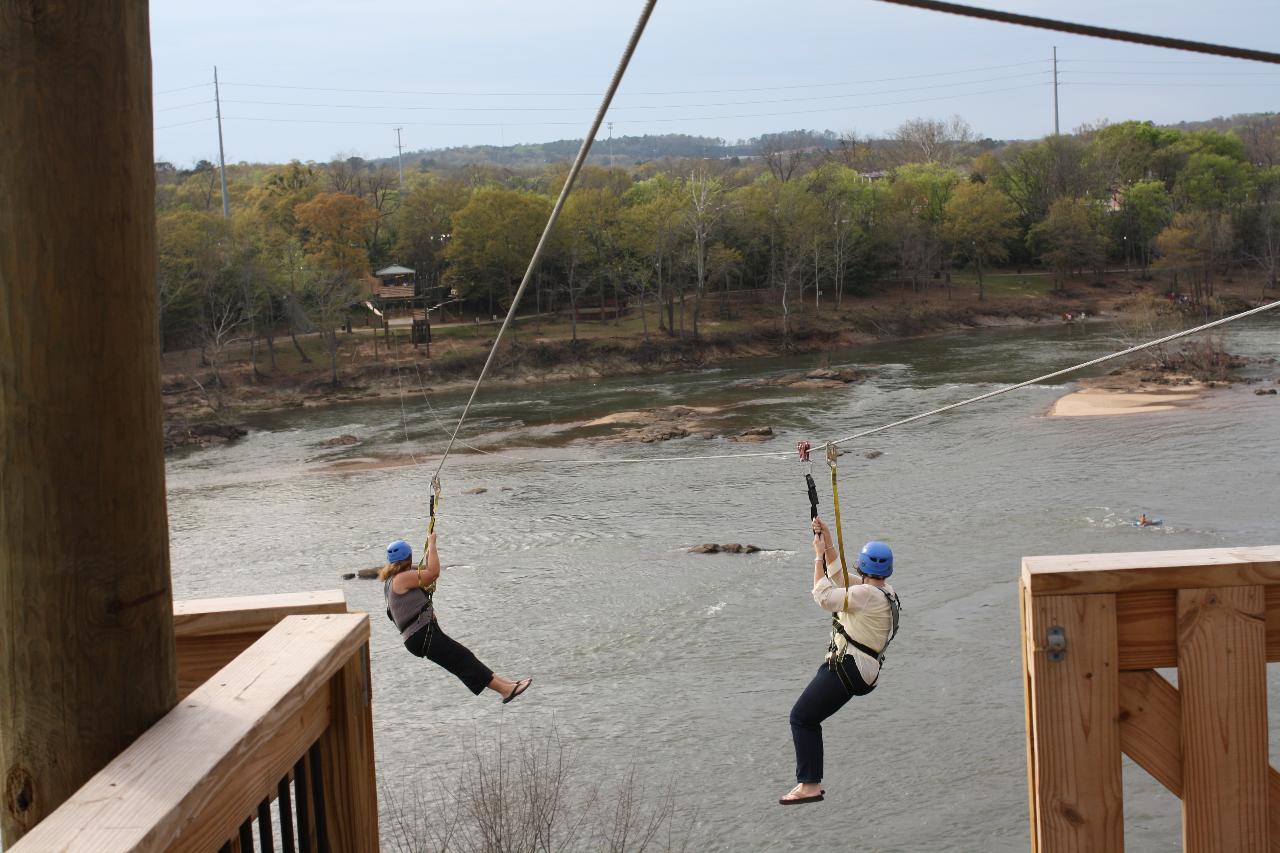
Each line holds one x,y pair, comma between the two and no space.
270,747
1095,629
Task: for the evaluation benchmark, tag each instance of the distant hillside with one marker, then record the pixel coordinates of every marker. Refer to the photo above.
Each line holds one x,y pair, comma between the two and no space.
626,151
621,150
1225,123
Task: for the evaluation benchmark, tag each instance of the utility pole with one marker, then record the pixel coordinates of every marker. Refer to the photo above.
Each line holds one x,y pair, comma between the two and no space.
222,160
610,144
1055,90
399,156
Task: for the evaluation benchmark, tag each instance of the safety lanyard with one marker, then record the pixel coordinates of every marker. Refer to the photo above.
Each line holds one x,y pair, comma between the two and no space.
433,507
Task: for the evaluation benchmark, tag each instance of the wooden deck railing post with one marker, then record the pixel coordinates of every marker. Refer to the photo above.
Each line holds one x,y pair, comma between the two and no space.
1077,804
1222,676
350,785
1214,614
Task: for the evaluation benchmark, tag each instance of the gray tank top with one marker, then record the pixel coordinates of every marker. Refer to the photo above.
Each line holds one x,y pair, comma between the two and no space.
411,611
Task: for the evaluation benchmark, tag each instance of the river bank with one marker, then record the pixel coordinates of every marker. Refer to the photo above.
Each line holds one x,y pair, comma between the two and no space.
204,407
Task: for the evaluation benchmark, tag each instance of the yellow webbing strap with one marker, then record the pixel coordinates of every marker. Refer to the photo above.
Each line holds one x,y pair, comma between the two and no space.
832,453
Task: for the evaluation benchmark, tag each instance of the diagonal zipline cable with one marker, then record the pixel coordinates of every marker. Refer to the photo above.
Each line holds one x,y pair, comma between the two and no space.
1089,30
932,412
555,212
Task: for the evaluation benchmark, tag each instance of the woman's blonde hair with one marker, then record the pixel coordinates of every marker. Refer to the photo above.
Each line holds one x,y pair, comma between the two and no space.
393,569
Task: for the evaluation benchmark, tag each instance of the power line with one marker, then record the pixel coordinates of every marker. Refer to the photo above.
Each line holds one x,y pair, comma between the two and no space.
1269,74
526,94
184,123
180,89
669,120
809,98
1162,85
183,106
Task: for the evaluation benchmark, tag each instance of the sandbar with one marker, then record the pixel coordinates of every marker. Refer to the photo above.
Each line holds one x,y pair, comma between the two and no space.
1093,402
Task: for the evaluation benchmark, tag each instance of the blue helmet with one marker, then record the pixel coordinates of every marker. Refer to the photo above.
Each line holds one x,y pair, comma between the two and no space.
875,559
399,550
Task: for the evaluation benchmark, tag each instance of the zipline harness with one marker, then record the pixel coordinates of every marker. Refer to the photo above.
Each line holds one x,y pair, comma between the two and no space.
834,659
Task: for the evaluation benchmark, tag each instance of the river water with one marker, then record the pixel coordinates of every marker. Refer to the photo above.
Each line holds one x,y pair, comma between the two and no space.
685,666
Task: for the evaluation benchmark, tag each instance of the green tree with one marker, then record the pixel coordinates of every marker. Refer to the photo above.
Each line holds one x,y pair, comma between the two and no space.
980,221
493,238
335,228
1213,182
650,223
1068,239
1194,242
426,222
1145,209
916,207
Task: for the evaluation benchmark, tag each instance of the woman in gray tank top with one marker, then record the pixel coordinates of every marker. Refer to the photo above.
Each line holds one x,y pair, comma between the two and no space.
408,592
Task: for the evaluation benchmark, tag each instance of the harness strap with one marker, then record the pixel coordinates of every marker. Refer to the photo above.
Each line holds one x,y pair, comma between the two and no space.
894,607
832,453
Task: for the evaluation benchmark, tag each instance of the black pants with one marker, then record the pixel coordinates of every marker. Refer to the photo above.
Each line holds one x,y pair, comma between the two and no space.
438,647
825,695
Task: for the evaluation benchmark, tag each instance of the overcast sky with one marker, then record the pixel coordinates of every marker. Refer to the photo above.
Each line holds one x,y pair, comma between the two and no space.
505,71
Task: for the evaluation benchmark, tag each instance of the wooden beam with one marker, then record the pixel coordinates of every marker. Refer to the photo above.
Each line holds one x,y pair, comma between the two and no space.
212,632
351,788
1148,624
86,627
193,778
1074,702
1152,570
244,614
1151,726
1151,734
1222,678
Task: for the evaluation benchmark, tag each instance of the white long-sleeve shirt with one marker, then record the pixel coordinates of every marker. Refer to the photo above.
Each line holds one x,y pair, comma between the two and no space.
867,618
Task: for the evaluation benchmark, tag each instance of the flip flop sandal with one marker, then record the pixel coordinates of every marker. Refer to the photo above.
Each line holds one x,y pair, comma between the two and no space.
791,801
521,686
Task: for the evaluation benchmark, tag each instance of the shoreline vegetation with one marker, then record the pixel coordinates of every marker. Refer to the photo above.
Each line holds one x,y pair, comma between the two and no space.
680,259
202,411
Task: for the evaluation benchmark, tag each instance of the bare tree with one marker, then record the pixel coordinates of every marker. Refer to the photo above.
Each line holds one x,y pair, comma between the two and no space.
785,153
521,798
705,210
927,140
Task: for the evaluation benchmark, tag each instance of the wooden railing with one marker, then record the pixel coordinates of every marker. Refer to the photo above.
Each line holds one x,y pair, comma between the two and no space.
211,632
1095,627
276,748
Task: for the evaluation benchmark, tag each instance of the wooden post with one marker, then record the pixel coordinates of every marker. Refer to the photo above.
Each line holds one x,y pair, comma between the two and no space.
1024,597
1074,700
351,795
1223,682
87,655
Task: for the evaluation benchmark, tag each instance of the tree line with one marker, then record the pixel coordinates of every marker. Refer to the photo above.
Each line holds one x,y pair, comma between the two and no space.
845,218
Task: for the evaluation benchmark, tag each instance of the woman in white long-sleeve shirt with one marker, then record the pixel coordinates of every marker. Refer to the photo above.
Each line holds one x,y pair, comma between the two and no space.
865,621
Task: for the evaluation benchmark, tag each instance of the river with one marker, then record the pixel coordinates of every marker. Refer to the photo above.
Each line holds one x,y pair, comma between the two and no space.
685,666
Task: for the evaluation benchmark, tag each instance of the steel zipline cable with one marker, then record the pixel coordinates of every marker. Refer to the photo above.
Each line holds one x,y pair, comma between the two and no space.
578,162
1090,30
